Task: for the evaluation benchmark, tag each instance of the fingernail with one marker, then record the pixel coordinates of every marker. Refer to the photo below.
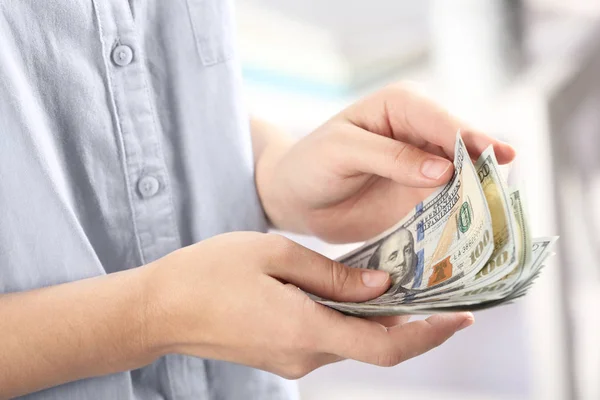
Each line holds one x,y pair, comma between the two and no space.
434,168
466,323
374,278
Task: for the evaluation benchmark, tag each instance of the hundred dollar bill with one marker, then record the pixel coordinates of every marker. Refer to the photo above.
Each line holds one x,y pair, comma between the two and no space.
505,285
523,255
504,257
479,299
496,294
524,245
446,238
529,276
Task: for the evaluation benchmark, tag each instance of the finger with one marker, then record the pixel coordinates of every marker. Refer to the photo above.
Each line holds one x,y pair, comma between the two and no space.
319,275
370,342
477,142
390,321
418,337
404,114
403,163
314,362
324,359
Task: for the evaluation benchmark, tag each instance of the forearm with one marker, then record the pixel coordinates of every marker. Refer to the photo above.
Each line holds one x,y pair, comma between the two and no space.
269,145
73,331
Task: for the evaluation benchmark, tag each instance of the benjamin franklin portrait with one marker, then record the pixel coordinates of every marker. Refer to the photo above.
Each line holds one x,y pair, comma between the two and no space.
396,255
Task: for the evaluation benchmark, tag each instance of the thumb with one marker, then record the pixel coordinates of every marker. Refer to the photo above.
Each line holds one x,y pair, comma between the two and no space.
319,275
367,152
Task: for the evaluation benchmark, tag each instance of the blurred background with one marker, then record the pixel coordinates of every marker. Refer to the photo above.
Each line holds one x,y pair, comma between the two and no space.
526,71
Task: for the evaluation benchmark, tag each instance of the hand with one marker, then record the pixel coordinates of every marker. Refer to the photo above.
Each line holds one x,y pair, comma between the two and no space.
235,297
364,169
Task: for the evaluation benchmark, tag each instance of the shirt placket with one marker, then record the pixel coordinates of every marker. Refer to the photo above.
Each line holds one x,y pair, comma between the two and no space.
149,191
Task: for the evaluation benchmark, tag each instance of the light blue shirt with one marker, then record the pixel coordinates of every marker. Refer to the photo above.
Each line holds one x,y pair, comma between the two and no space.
123,138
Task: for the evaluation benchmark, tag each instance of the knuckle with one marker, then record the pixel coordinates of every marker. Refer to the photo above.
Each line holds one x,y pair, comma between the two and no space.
273,238
279,246
399,153
405,156
340,277
441,119
296,371
403,88
389,354
389,359
305,339
296,329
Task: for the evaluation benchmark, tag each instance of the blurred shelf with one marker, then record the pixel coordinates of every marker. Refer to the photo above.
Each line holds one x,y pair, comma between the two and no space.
328,49
553,46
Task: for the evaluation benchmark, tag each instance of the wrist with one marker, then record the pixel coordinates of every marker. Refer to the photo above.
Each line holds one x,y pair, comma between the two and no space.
274,191
157,312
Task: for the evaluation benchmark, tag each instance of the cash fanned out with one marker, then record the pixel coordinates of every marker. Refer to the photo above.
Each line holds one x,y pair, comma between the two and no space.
465,247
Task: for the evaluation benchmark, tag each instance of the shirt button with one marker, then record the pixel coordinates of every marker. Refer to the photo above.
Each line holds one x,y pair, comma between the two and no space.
122,55
148,186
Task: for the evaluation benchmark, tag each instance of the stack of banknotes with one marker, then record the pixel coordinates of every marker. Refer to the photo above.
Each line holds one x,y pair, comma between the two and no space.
466,247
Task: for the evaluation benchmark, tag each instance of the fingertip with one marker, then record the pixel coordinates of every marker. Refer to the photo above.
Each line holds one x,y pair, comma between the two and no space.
467,320
454,321
505,153
375,278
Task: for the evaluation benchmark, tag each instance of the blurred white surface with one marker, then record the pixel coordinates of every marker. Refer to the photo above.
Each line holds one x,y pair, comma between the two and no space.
487,360
358,392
